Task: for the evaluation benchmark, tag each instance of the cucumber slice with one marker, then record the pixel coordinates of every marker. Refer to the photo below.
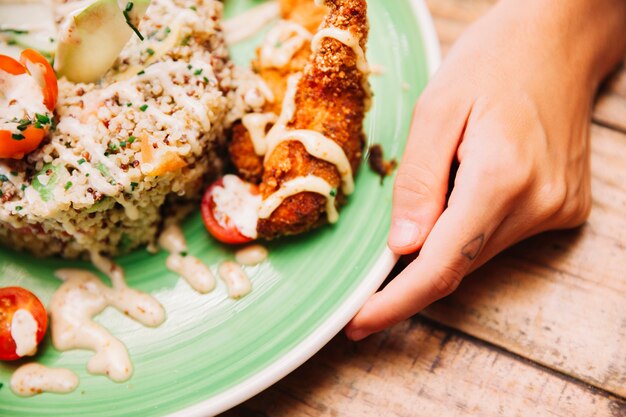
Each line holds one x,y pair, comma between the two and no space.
91,39
52,173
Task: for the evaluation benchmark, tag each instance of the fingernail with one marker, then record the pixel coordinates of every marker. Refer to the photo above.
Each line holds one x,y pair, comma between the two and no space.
357,335
403,233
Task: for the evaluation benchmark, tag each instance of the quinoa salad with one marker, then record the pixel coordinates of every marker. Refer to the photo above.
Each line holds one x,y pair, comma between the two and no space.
134,147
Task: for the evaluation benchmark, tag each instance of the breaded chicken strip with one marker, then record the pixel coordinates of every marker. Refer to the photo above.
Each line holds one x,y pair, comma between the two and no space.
332,99
307,14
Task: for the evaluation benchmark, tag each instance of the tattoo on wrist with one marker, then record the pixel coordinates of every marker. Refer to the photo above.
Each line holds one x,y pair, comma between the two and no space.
473,247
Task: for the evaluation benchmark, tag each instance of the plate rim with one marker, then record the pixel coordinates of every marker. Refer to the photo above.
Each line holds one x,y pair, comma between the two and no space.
320,337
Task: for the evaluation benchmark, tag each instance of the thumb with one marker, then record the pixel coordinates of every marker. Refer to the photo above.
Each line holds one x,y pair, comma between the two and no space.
421,185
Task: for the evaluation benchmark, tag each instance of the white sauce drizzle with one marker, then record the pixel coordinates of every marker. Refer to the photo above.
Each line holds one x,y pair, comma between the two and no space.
20,98
348,39
251,255
257,123
190,268
247,24
319,146
298,185
24,333
81,297
282,43
33,378
235,200
236,280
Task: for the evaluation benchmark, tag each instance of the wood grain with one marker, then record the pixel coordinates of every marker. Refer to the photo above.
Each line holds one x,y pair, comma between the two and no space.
560,298
452,17
417,369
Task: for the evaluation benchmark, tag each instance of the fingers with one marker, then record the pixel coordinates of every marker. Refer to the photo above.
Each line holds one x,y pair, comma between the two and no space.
455,243
422,181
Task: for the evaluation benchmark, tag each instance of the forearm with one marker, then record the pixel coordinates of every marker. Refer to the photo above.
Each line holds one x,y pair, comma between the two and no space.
590,35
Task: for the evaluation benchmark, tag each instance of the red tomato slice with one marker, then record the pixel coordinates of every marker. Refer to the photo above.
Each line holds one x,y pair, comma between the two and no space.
225,231
11,66
13,299
16,149
39,67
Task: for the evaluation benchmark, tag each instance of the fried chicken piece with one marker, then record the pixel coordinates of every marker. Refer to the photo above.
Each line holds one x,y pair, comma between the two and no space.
306,13
330,99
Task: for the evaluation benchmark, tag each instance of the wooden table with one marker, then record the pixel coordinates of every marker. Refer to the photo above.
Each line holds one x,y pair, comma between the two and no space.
540,330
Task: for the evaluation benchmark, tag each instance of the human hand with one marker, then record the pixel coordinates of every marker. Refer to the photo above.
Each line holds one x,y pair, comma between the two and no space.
512,104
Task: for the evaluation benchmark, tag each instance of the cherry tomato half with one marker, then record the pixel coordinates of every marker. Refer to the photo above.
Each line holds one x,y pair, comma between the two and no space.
225,230
13,299
16,149
11,66
17,144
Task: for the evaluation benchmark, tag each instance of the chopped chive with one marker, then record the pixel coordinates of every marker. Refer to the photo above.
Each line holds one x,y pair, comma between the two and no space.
81,161
150,51
184,254
131,139
206,80
129,104
17,136
18,208
42,118
14,31
14,173
133,185
189,67
68,185
142,72
167,30
186,40
333,192
194,8
23,187
143,107
122,143
129,7
3,178
197,72
112,146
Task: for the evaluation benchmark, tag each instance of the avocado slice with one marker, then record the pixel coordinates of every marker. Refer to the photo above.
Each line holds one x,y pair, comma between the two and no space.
91,39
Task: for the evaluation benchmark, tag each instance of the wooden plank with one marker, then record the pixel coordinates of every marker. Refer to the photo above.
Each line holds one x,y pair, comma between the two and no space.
452,17
417,369
560,298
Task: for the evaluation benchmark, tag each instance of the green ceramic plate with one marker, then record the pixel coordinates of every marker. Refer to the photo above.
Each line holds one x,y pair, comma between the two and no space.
213,353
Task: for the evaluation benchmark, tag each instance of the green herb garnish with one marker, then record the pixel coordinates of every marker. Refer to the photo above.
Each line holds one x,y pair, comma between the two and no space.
143,107
44,119
68,185
17,136
129,7
197,72
81,161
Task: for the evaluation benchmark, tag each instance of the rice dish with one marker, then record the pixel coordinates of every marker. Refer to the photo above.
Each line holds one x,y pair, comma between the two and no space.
133,148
